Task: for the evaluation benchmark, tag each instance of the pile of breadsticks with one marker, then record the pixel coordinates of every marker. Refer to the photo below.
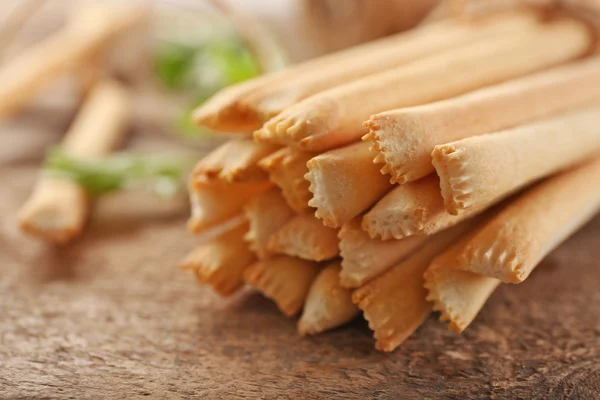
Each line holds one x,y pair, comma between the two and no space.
480,154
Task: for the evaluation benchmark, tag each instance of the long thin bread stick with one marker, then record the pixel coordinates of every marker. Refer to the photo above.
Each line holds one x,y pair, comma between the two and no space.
395,303
306,237
416,208
220,263
413,45
479,170
267,213
234,161
511,245
214,203
21,77
364,258
58,209
328,305
286,168
335,117
344,183
286,280
404,138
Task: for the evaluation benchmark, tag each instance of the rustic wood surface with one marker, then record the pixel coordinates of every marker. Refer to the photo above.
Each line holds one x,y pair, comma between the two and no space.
111,316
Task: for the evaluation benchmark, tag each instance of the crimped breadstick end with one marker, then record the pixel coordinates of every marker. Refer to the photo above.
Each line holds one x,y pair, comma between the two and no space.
234,161
286,169
344,182
404,139
335,117
285,280
214,203
479,170
511,245
306,237
221,262
416,208
328,305
364,258
394,303
266,213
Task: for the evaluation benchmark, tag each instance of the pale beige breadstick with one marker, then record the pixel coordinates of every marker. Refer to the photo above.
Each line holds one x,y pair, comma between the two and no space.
404,138
306,237
511,245
220,263
416,208
335,117
457,295
234,161
285,280
344,183
58,209
214,203
267,213
22,76
394,303
364,258
476,171
286,168
328,305
406,47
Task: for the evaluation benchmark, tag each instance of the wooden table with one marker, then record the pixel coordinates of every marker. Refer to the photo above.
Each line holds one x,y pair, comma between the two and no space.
112,317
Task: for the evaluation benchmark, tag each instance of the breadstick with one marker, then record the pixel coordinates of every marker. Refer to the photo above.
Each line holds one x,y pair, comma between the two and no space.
457,295
57,209
214,203
335,117
364,258
306,237
394,303
286,169
479,170
413,45
234,161
404,138
511,245
220,263
267,213
416,208
285,280
328,305
344,182
21,77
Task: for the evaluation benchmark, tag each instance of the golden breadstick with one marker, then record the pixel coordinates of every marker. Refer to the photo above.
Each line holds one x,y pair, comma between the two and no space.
335,117
267,213
416,208
23,76
457,295
404,138
400,49
234,161
479,170
364,258
306,237
286,169
511,245
394,303
285,280
214,203
344,182
58,209
328,305
220,263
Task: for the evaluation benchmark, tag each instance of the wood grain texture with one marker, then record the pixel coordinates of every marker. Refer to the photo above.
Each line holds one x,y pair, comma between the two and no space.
112,317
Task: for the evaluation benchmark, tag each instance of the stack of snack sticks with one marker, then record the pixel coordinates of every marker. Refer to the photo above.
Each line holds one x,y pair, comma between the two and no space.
432,209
